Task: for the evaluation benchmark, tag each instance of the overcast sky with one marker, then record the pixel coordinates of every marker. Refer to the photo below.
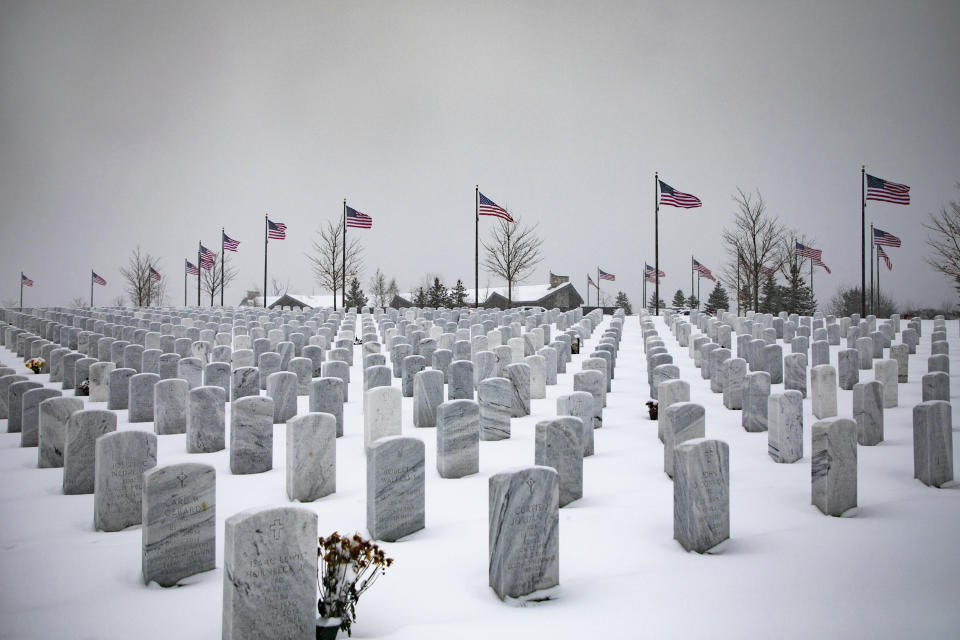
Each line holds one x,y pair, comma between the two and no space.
156,123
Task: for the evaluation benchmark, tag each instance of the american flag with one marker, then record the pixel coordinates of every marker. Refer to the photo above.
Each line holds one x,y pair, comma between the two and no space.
818,263
880,189
207,258
358,220
702,270
276,230
648,273
97,279
27,282
154,274
674,198
606,276
884,238
808,252
229,244
191,268
487,207
767,271
591,283
883,254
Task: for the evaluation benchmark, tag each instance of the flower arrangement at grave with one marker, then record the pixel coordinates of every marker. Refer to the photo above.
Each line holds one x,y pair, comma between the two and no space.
83,389
348,567
653,407
35,364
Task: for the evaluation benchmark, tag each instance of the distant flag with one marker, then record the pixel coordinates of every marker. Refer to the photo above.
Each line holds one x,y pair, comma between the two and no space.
154,274
276,230
229,244
702,270
769,271
606,276
883,254
488,207
191,268
591,283
674,198
886,191
885,239
358,220
25,281
207,258
808,252
648,273
97,279
818,263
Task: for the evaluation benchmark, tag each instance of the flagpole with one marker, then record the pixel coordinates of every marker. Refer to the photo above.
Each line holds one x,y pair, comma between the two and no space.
863,253
691,277
698,291
876,310
656,244
266,234
343,291
738,284
588,290
222,256
873,308
199,269
644,284
598,286
476,249
91,289
21,291
184,282
811,276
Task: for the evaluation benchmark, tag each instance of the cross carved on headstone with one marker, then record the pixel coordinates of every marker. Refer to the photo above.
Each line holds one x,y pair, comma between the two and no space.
276,527
182,478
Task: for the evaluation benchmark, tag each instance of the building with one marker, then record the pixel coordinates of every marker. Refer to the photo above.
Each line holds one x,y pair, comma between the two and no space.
563,295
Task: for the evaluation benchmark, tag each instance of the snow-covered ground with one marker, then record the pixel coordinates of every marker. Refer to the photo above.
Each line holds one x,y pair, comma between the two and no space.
892,570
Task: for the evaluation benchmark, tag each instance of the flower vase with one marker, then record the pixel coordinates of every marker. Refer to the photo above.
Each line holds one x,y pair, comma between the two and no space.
327,628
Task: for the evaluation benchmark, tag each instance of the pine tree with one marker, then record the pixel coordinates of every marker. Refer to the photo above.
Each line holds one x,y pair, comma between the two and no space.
679,299
692,302
623,302
770,296
458,294
420,299
355,296
437,295
797,297
652,303
718,299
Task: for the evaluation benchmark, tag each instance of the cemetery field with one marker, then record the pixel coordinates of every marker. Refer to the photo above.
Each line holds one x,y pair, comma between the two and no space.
890,569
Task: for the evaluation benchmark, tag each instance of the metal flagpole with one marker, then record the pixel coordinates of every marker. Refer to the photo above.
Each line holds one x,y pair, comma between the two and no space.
21,290
222,256
656,243
698,291
691,278
863,253
873,308
266,233
343,292
811,276
91,289
476,249
588,290
184,282
644,284
738,283
876,310
598,286
199,269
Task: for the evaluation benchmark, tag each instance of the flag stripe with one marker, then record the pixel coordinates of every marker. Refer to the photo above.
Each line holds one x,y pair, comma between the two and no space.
27,282
97,279
487,207
671,197
192,268
808,252
606,276
886,258
885,239
886,191
229,244
358,220
276,230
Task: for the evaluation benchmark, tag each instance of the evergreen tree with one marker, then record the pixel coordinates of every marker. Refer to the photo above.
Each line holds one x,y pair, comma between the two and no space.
797,297
652,303
355,296
392,290
692,302
458,294
420,299
718,299
437,295
770,296
623,302
679,299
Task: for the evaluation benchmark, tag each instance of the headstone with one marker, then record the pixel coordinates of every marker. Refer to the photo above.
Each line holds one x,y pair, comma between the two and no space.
54,415
244,382
558,445
865,351
773,362
170,406
701,494
412,365
756,392
524,545
168,366
733,386
823,389
427,396
141,396
580,404
382,411
83,429
251,435
100,381
270,574
901,353
935,386
785,419
593,383
179,522
518,374
311,456
886,371
819,353
282,388
395,487
121,458
460,377
933,442
495,396
217,374
206,422
538,376
868,412
795,373
30,414
326,396
834,465
15,394
458,438
681,422
268,364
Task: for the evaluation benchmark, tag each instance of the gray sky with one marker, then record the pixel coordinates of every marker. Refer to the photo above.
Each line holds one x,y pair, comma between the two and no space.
125,123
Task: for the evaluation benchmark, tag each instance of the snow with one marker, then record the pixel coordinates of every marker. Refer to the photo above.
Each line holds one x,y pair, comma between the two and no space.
892,570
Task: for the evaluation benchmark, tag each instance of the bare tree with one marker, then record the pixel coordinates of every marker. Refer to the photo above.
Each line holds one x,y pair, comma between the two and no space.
120,301
139,283
328,260
210,279
378,288
755,245
79,303
944,239
512,252
278,288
